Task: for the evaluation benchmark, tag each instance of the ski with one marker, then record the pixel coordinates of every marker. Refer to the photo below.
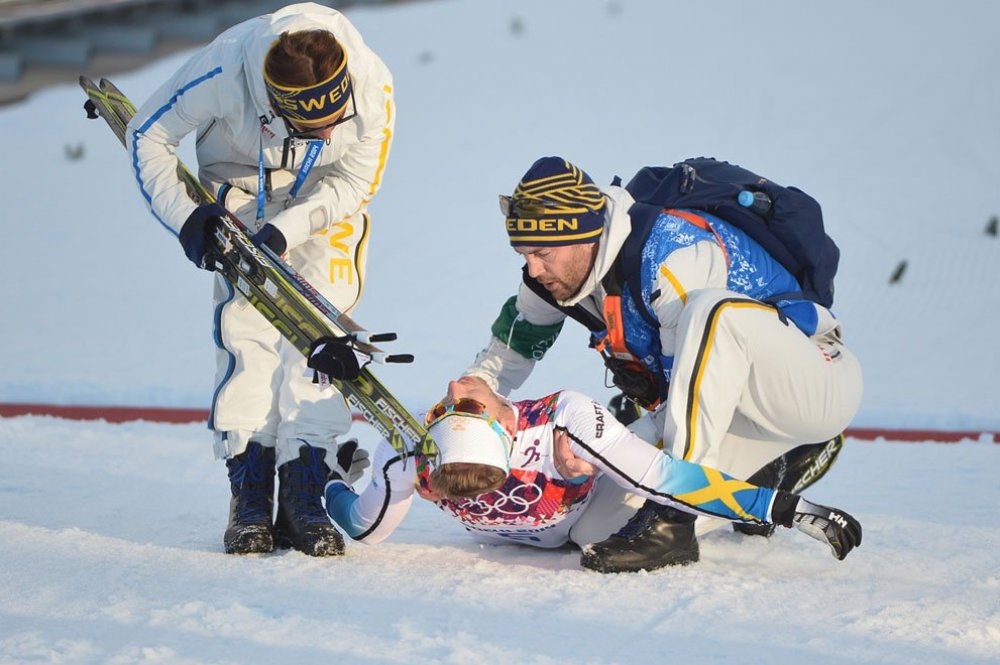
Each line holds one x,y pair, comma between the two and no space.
282,296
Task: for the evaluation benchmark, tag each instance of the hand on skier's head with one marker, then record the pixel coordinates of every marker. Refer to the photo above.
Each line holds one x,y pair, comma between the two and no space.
474,388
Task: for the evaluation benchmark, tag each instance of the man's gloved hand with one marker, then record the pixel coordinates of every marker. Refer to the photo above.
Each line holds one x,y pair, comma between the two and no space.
350,464
270,235
196,234
334,357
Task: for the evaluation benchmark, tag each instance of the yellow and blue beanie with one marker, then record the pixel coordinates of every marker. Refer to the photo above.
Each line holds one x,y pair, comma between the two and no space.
555,203
316,104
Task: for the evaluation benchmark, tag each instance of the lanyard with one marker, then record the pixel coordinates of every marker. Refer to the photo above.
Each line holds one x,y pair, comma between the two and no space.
312,154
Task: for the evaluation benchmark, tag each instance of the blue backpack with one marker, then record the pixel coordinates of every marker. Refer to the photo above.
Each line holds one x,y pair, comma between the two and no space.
785,221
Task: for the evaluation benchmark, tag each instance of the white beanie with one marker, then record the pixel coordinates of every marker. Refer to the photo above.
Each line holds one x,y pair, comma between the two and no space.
471,439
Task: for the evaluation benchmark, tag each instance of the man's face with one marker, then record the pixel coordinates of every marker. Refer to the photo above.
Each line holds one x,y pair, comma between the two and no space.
561,270
323,132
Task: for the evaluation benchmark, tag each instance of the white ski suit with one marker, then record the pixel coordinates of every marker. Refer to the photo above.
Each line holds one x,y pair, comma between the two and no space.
262,391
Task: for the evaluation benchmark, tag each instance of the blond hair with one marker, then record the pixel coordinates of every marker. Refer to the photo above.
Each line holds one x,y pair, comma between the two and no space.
466,480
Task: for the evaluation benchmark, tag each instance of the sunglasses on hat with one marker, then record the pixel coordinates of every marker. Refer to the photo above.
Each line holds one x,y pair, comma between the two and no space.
464,406
535,208
312,132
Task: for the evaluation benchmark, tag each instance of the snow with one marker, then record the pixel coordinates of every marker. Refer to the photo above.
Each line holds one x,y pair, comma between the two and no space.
886,112
112,554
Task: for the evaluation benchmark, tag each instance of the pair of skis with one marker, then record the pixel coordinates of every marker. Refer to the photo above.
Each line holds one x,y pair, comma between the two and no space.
293,306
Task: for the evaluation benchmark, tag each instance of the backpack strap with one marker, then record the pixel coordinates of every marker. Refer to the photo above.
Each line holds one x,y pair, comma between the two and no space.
701,223
629,261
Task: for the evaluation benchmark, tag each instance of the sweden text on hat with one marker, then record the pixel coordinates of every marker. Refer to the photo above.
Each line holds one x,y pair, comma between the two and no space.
555,203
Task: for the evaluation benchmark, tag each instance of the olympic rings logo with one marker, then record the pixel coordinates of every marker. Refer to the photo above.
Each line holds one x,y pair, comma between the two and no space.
515,503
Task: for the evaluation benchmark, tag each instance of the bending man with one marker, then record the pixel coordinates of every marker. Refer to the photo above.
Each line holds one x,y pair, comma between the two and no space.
294,117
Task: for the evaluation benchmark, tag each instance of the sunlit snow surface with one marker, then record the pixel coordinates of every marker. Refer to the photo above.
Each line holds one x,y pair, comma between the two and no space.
886,112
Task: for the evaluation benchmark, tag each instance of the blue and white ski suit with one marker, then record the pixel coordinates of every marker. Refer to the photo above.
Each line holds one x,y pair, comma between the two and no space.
536,505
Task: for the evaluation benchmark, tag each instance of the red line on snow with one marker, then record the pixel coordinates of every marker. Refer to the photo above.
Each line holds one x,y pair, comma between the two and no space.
112,414
918,435
121,414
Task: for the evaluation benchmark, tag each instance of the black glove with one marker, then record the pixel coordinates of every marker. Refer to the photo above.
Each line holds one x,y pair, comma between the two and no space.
270,235
828,525
351,463
196,234
334,357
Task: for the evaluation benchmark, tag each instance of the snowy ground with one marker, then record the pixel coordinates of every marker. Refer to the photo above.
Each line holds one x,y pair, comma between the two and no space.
886,112
112,554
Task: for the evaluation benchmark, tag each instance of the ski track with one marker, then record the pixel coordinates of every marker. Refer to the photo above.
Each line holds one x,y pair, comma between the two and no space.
113,554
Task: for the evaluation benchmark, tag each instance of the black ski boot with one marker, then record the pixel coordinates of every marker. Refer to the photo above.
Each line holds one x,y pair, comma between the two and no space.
794,471
655,537
251,478
302,521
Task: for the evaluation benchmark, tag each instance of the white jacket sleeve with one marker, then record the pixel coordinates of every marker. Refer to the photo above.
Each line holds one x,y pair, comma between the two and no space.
502,368
381,507
357,175
521,336
190,99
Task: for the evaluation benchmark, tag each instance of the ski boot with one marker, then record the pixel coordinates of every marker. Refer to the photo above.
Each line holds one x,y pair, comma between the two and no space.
793,472
302,522
655,537
251,479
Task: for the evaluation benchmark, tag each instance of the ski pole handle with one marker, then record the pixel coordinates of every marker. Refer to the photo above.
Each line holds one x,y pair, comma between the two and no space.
400,358
373,338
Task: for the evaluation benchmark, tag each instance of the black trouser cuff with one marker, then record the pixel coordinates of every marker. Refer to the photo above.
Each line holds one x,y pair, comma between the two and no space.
783,509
